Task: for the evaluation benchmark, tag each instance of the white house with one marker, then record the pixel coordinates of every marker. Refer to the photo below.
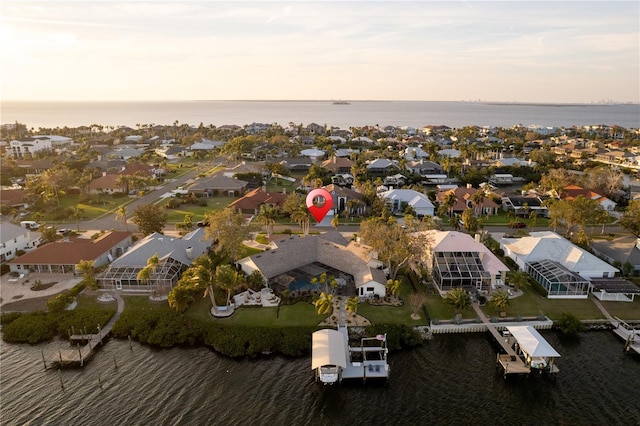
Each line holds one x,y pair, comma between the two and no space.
20,148
16,238
562,268
398,199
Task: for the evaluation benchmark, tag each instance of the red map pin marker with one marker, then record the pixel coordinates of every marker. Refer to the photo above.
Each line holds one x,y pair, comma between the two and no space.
319,202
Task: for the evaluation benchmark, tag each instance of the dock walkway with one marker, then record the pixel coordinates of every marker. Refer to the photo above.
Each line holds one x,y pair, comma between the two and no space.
510,362
627,333
70,357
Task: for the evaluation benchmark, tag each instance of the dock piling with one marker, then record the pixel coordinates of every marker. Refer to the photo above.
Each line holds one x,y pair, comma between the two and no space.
114,362
44,361
60,376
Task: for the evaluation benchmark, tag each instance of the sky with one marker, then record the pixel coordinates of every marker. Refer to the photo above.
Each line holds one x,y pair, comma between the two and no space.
504,51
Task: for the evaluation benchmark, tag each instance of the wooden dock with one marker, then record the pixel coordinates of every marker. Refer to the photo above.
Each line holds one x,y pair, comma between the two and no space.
630,335
86,345
510,362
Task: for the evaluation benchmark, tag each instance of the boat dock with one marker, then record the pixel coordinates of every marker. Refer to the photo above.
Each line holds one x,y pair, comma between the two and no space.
333,359
85,345
510,362
629,334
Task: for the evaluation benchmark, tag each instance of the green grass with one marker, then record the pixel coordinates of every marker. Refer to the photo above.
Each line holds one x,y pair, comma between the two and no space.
438,308
197,211
624,310
501,219
142,303
393,314
300,314
89,211
531,304
247,251
91,303
280,185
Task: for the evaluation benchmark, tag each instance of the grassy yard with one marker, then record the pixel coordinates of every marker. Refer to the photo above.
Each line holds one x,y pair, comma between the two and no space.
624,310
531,304
501,219
89,211
281,185
197,211
92,304
439,309
142,303
393,314
300,314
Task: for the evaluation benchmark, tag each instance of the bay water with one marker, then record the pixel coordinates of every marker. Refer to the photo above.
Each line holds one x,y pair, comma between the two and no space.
450,380
357,113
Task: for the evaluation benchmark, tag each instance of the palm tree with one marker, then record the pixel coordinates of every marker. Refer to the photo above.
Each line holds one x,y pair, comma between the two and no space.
351,305
459,299
393,287
478,200
519,279
335,221
146,273
85,267
449,201
324,303
417,300
302,217
500,300
327,281
77,214
179,298
267,217
228,278
203,274
121,215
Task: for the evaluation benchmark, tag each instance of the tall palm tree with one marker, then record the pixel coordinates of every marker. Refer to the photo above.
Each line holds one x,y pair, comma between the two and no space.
77,214
267,217
324,304
121,216
500,300
228,278
303,218
449,201
478,200
518,278
203,275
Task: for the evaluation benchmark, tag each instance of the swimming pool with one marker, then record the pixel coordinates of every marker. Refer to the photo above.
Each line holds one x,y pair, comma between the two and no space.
303,283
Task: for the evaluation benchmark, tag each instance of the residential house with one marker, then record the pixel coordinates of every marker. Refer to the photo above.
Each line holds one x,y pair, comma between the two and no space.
382,166
513,162
424,167
14,238
170,152
175,256
218,184
561,267
34,167
413,153
351,263
525,204
571,192
338,165
450,153
621,250
300,164
399,199
345,199
313,153
26,147
13,199
62,256
315,129
251,202
206,145
464,200
457,260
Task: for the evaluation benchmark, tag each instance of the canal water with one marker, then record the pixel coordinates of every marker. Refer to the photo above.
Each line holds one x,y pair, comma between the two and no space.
450,380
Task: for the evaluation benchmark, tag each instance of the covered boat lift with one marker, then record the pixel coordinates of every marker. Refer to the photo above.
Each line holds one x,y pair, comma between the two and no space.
328,355
536,352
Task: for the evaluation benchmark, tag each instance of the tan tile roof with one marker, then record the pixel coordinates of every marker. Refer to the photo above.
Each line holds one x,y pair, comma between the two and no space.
71,252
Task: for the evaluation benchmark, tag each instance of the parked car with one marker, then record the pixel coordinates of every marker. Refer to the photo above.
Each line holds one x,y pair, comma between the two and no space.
517,225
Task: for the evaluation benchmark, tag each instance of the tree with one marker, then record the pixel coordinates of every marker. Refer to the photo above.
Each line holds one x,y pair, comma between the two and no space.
500,300
470,221
303,218
150,218
227,229
335,221
201,274
394,247
186,225
324,303
121,215
85,267
351,305
630,220
417,301
48,233
228,278
449,201
77,213
328,281
459,299
393,287
267,218
518,279
180,298
478,200
145,274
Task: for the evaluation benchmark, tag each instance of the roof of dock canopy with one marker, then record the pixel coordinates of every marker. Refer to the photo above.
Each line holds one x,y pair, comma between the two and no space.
532,342
328,348
615,285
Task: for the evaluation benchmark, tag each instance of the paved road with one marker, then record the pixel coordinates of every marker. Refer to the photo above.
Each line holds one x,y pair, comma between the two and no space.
108,220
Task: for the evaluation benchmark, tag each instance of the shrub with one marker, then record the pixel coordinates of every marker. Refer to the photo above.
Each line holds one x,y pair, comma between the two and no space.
202,202
569,324
58,303
33,327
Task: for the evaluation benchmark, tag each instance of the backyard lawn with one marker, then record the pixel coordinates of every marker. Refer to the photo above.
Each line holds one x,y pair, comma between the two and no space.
197,211
89,211
624,310
300,314
393,314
